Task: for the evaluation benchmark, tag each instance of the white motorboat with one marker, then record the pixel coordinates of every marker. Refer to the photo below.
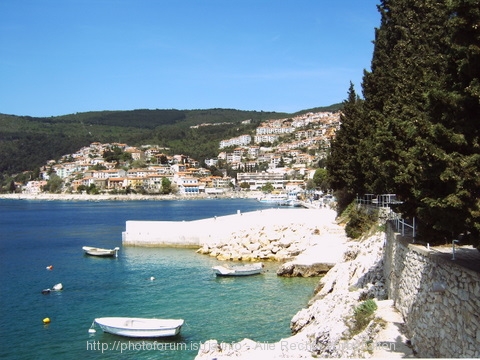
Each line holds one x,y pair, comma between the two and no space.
291,203
239,270
140,327
273,198
95,251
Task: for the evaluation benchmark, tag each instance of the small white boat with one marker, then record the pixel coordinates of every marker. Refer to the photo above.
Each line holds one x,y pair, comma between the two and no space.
140,327
239,270
94,251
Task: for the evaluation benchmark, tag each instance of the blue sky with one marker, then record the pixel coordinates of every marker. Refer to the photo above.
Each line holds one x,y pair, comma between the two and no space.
64,56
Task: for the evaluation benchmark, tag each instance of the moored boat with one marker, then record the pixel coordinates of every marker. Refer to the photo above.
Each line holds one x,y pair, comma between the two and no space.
239,270
291,203
95,251
273,198
140,327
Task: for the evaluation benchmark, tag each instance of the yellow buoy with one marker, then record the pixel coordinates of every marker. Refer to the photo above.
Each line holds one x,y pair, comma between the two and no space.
46,320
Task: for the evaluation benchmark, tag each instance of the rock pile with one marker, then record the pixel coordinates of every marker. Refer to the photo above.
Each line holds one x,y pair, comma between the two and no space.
264,242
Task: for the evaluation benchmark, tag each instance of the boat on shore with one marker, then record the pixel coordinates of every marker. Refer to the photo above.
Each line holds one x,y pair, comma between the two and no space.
95,251
140,327
239,270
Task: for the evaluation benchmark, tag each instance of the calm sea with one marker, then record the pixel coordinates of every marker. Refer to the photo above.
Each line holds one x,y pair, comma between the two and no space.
36,234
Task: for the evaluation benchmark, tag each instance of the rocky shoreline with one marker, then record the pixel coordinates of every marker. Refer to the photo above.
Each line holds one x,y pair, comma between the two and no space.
328,326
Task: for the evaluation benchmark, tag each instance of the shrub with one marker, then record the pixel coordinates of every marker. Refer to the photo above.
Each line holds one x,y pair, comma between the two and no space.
363,314
359,222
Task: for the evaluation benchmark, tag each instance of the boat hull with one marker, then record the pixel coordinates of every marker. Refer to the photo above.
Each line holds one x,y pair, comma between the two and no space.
238,271
93,251
140,327
272,199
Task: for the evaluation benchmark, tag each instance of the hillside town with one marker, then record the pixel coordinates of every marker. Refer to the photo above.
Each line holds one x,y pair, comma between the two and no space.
282,154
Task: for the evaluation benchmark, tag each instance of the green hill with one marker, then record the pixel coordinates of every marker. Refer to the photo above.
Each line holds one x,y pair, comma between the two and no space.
29,142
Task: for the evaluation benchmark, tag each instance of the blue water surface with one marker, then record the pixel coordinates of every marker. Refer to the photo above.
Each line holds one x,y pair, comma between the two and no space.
36,234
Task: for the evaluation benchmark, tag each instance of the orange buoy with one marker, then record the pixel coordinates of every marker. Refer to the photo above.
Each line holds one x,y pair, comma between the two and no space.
46,320
50,267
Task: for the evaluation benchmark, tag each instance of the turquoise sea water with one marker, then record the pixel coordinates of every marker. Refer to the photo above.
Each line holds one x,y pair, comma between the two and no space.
36,234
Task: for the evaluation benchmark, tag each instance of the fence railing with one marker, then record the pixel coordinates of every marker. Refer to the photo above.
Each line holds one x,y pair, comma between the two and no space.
403,226
382,203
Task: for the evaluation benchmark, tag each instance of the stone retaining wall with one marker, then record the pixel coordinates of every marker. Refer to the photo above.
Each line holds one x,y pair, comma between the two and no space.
439,300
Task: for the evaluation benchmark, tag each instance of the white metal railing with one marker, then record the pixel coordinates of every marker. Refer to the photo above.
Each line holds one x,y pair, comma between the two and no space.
401,224
383,202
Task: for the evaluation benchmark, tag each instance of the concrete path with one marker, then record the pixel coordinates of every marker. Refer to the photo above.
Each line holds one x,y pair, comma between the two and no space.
466,256
390,342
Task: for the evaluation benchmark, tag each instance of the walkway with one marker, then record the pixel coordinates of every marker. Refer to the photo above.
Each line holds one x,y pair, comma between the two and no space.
390,343
466,256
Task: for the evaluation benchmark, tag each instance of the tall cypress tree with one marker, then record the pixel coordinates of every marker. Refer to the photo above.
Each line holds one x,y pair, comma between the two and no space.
421,114
407,64
450,192
343,164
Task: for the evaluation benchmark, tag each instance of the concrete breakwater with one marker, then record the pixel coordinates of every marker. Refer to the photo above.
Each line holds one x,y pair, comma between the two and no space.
273,234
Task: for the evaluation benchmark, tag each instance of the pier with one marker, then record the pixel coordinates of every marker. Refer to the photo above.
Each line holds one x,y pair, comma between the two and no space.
210,231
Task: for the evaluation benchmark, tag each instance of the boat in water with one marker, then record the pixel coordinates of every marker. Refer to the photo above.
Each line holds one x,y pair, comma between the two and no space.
95,251
238,270
273,198
140,327
291,203
56,287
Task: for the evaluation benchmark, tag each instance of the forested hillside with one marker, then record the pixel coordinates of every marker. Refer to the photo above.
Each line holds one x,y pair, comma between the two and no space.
416,133
28,142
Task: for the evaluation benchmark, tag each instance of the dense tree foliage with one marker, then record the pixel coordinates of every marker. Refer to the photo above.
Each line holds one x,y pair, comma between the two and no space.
416,133
320,179
344,162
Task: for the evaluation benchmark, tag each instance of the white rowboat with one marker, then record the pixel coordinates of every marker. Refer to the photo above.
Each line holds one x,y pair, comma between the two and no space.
140,327
240,270
94,251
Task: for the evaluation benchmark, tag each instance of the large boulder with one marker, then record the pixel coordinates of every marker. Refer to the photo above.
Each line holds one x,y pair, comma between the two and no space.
292,269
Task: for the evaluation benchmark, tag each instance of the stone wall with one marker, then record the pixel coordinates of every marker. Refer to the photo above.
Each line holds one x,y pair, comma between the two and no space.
438,299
